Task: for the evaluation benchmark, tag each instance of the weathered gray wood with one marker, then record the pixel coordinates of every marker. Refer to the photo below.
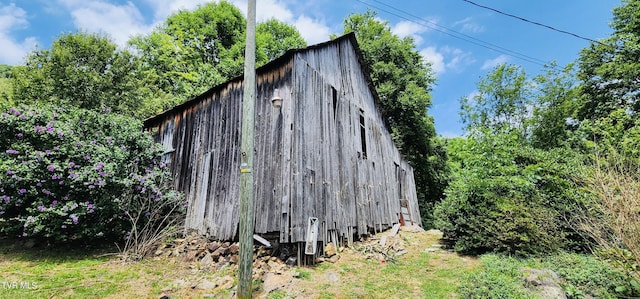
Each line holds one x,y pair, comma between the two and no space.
309,159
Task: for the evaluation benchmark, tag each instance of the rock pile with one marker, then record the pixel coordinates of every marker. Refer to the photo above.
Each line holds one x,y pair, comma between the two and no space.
201,254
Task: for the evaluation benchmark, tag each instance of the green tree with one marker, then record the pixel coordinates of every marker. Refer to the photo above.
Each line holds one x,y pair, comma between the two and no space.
555,98
274,38
6,86
82,70
403,81
609,100
503,103
195,50
609,70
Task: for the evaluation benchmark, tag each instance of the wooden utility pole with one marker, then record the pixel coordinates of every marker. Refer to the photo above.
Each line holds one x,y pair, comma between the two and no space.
247,212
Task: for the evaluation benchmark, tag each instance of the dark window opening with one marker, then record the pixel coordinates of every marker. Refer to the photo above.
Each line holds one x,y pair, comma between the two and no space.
334,94
363,135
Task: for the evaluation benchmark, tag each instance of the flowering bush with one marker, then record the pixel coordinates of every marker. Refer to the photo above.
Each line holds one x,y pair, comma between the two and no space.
73,174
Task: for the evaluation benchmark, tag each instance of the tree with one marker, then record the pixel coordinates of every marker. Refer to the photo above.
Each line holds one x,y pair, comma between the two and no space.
6,89
403,81
610,69
274,38
555,98
503,103
193,51
82,70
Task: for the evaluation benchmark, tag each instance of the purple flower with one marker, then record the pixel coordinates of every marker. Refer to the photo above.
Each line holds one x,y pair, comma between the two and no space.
92,142
99,166
49,128
45,191
56,148
39,129
7,199
47,152
71,164
74,218
51,167
22,191
72,176
19,135
40,208
90,206
55,176
55,202
11,151
87,157
9,172
39,184
109,139
78,143
61,183
63,226
91,186
102,173
60,134
24,234
14,111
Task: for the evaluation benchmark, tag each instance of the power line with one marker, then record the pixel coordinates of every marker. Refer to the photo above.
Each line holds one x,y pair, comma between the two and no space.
533,22
456,34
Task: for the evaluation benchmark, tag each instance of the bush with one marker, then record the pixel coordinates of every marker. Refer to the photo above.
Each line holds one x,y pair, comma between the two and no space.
73,174
509,198
502,277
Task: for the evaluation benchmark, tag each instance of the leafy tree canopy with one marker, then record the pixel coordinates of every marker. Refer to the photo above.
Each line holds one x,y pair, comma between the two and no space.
82,70
195,50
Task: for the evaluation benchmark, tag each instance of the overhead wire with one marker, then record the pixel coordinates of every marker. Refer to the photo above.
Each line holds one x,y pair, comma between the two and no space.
533,22
455,34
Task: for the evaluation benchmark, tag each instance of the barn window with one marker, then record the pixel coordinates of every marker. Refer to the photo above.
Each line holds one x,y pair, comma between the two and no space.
363,135
334,94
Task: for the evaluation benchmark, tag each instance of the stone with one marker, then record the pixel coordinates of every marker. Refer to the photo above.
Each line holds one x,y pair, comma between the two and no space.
333,259
544,282
206,261
234,248
330,250
213,246
225,282
206,285
332,277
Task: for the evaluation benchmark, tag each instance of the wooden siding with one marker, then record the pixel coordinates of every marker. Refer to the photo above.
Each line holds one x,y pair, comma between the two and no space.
311,157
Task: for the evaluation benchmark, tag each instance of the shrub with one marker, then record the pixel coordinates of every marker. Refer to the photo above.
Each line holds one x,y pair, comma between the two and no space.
73,174
509,198
502,277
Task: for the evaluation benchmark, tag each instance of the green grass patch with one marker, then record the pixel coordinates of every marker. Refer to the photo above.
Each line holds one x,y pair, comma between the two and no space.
582,275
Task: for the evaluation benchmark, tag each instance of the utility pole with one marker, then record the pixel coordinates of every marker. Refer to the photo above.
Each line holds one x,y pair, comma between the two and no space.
247,212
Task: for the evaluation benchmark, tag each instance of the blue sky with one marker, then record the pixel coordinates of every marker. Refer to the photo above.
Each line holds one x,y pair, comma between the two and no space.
447,32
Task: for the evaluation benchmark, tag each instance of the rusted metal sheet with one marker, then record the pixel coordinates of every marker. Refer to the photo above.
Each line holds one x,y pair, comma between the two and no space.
326,154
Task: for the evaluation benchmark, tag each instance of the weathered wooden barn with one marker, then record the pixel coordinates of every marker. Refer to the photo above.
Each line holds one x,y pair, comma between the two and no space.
326,153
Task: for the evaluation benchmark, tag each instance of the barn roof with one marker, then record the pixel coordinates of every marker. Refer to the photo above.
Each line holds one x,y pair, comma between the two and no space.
287,56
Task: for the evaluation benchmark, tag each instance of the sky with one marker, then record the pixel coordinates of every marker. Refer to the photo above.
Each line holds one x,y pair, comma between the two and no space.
463,42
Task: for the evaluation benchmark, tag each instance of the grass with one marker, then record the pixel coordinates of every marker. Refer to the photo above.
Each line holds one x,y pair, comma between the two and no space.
64,273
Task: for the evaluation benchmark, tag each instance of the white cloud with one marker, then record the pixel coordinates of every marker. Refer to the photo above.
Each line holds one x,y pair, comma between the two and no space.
467,25
118,21
446,58
408,28
491,63
436,59
313,31
13,51
163,8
